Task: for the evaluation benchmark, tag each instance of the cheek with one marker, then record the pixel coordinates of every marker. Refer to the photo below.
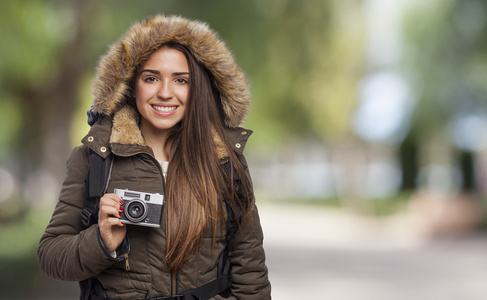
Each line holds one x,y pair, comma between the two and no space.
138,103
143,93
183,95
141,98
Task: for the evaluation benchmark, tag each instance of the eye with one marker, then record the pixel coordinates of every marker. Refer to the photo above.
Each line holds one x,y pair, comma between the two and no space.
182,80
150,79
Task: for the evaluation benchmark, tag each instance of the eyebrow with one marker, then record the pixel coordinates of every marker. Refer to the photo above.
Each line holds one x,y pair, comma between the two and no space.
158,73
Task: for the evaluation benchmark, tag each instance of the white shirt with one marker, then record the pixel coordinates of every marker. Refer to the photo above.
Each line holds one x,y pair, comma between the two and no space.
164,165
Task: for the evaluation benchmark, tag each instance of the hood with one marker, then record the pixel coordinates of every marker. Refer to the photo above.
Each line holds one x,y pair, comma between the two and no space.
116,69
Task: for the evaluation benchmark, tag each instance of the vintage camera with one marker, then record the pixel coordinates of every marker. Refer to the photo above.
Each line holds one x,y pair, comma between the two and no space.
139,208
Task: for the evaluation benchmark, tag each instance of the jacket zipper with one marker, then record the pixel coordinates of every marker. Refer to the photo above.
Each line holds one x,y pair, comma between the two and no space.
126,255
127,264
174,285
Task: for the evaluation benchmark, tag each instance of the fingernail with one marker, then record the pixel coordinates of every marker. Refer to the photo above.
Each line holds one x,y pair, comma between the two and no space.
120,214
122,223
121,208
121,201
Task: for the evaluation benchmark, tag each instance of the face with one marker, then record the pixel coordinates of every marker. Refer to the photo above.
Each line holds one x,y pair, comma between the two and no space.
162,90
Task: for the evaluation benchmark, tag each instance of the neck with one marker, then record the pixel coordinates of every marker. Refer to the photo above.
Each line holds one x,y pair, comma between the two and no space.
156,139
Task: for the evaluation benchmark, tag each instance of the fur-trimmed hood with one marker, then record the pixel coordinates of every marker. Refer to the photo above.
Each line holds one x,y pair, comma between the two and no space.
116,70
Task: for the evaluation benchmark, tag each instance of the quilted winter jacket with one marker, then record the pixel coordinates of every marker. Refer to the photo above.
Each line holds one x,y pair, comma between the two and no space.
67,251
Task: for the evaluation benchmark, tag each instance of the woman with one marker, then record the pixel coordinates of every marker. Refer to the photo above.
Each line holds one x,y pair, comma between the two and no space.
169,98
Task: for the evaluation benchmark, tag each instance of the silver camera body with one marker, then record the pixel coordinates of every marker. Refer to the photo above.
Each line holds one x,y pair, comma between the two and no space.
139,208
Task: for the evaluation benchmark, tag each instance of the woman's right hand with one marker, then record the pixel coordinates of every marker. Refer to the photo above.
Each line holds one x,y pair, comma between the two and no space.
112,230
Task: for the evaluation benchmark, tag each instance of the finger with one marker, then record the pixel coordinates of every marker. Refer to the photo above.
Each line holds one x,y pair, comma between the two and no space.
114,222
110,211
110,204
108,220
110,200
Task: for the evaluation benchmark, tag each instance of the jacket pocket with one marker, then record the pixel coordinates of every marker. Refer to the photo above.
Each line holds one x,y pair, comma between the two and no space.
137,259
127,294
218,297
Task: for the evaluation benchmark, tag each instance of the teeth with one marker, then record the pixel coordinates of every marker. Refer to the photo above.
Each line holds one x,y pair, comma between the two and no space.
165,108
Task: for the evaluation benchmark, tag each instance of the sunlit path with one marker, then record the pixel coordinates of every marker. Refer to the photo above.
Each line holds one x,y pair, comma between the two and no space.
334,256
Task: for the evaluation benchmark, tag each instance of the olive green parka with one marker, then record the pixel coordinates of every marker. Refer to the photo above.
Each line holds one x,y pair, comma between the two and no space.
68,251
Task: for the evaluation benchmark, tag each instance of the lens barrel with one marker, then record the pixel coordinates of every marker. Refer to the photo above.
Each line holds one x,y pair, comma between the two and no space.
136,211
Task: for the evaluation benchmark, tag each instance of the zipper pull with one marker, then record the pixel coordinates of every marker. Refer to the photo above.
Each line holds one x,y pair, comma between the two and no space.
127,265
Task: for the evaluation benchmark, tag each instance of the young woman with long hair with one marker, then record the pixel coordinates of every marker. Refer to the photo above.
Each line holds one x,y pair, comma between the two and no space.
168,99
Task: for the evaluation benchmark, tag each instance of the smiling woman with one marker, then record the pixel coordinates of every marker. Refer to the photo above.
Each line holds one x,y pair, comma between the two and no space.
176,108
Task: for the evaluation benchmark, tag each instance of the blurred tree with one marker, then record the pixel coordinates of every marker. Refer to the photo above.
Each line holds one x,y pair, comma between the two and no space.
306,63
445,60
42,62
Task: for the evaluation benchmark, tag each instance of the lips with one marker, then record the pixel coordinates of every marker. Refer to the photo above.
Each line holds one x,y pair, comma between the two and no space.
165,109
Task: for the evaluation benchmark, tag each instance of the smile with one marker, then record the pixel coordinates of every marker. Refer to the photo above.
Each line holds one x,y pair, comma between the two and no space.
165,109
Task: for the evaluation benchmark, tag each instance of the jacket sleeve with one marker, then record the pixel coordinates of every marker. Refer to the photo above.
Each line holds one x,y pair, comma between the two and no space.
249,271
66,250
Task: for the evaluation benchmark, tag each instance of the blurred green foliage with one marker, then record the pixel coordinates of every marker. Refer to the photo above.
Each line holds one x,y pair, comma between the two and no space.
18,264
20,237
445,59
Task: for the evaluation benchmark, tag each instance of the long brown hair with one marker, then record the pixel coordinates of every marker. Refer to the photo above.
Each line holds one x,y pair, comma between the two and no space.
196,183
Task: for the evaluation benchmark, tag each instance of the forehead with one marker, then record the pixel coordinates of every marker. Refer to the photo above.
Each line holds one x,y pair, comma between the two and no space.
167,58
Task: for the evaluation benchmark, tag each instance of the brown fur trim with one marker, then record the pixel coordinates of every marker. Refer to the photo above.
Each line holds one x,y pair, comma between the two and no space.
119,66
125,129
221,150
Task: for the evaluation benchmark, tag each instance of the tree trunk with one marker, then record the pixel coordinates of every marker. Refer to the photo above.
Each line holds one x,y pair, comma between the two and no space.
44,137
408,156
467,169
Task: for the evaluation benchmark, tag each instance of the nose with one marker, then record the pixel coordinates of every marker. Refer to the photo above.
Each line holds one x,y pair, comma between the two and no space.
165,91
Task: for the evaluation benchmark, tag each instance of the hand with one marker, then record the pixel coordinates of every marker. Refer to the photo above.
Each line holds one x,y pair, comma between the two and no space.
112,230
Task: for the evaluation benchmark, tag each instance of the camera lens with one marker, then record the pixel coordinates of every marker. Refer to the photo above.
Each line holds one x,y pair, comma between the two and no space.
136,211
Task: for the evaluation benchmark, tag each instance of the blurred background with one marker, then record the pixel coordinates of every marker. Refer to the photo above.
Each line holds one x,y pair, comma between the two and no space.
369,155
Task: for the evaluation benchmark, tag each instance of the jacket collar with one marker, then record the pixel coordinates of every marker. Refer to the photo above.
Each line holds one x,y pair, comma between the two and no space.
122,136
